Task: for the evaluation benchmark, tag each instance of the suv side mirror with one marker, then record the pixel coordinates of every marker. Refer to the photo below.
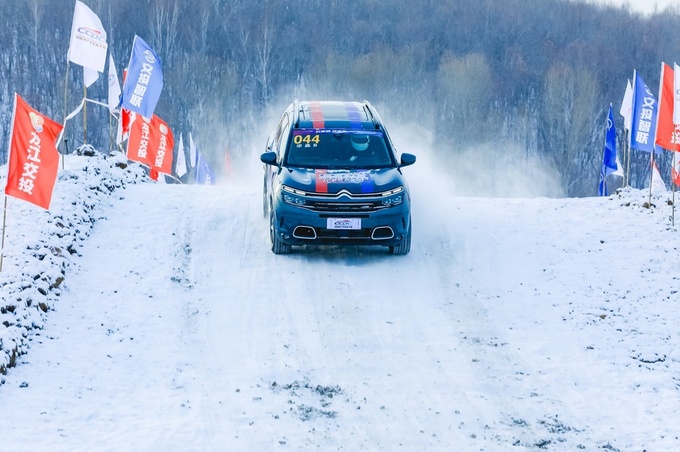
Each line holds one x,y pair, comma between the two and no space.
269,158
407,159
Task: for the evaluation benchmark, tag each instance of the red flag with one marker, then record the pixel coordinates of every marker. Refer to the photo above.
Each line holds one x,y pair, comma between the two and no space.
126,119
667,133
151,143
163,150
675,169
34,160
138,142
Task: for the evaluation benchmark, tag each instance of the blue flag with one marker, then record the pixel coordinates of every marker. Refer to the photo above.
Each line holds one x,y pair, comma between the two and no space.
609,164
144,80
204,174
645,109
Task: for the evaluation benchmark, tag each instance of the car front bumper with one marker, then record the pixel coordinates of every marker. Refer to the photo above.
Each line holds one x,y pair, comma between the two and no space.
302,226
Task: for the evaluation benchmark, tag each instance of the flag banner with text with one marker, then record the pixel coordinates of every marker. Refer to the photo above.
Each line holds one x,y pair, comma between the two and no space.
151,143
675,169
88,39
181,165
610,163
114,86
33,156
644,117
143,83
204,172
667,133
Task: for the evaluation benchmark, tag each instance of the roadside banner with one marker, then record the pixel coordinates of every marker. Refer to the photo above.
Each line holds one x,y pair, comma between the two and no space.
644,117
193,152
667,133
610,161
204,173
151,143
33,156
88,39
675,169
163,149
181,165
114,86
627,107
143,83
126,119
657,184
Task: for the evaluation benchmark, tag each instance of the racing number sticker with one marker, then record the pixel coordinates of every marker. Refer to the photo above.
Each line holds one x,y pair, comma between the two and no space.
306,140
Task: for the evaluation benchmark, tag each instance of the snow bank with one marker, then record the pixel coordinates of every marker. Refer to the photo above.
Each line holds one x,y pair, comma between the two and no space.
40,245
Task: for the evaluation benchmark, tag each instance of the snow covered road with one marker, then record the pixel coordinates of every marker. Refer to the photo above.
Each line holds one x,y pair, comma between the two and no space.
527,323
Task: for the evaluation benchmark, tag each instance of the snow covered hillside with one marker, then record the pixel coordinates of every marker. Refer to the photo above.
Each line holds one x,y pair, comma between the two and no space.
167,323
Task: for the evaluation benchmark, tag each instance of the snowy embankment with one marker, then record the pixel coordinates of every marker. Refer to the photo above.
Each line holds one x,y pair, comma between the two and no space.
40,245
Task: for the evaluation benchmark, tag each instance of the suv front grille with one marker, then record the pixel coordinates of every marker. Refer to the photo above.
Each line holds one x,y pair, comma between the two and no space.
343,201
359,207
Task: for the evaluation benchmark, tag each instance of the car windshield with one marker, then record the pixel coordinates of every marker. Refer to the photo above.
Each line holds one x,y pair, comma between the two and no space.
338,148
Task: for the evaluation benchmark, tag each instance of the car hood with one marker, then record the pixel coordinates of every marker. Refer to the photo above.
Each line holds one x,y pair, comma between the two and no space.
355,181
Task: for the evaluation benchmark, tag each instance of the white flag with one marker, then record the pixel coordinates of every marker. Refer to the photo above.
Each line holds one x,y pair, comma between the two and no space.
181,166
658,184
676,90
192,151
89,76
619,168
627,107
114,86
88,39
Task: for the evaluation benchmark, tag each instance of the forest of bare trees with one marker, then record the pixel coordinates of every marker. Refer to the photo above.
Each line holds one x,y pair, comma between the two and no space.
537,74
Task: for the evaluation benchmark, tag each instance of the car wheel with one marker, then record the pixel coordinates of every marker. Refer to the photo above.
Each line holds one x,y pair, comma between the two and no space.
278,247
405,246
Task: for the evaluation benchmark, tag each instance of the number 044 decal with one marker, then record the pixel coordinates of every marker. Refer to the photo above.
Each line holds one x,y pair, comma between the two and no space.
306,139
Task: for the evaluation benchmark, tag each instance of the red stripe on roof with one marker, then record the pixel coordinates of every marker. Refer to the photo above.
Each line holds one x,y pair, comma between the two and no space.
317,115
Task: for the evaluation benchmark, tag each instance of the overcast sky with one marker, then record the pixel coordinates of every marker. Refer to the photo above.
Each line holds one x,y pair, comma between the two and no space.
643,6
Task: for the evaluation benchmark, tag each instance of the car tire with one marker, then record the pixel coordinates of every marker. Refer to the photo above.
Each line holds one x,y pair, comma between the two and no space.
405,246
278,247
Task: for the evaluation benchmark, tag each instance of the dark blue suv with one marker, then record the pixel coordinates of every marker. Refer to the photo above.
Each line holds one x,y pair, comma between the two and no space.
332,176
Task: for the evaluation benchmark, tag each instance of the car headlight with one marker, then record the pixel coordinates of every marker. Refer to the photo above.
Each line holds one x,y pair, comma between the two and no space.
292,196
393,201
393,197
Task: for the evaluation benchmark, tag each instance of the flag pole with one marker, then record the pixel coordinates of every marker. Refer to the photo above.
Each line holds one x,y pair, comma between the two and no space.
84,113
4,222
68,64
651,176
628,160
603,172
110,133
673,185
626,156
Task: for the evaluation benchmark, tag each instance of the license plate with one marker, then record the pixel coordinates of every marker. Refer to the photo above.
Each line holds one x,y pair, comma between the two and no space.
343,223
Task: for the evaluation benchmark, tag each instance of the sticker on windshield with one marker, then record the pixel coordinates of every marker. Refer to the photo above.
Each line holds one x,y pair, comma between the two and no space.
306,141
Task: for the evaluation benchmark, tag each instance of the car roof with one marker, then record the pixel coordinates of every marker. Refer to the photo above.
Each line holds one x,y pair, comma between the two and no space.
335,115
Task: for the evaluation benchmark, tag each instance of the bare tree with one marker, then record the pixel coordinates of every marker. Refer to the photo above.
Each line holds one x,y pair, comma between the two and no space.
164,19
568,126
464,87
